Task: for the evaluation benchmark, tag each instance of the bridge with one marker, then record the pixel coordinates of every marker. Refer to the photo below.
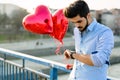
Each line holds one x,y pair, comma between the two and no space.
10,70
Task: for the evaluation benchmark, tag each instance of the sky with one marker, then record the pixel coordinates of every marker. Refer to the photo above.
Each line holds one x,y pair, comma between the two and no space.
56,4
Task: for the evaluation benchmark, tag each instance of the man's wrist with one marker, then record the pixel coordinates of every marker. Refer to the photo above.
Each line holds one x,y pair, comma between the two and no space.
71,55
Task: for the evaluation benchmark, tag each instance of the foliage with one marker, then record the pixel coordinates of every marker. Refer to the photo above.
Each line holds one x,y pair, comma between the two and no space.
11,28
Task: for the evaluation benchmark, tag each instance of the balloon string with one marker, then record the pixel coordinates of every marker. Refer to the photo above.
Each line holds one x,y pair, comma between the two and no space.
64,60
57,51
59,46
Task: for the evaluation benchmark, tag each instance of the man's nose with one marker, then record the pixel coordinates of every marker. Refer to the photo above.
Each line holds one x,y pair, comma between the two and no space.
76,24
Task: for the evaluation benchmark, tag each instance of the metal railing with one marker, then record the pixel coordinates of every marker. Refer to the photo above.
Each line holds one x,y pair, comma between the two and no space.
10,70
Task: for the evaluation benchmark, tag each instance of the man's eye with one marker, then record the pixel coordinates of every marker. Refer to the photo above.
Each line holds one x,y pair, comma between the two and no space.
79,21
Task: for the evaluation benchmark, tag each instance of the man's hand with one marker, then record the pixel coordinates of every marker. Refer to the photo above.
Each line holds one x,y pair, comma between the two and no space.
69,54
69,66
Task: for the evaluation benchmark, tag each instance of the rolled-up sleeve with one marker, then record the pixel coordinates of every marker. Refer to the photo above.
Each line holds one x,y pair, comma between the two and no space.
104,48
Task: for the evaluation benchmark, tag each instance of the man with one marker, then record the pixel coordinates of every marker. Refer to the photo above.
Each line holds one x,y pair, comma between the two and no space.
93,44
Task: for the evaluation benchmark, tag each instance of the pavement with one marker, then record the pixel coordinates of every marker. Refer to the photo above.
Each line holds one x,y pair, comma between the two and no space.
37,44
40,44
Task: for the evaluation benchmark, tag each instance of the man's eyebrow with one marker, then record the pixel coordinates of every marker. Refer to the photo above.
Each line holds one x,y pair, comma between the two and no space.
79,21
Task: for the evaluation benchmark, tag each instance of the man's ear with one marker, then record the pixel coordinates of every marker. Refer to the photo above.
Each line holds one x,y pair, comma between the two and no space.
88,15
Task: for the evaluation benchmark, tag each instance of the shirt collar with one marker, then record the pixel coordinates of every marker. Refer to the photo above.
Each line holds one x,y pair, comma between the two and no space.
91,26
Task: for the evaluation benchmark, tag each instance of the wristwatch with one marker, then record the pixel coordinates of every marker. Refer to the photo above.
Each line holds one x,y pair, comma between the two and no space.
71,55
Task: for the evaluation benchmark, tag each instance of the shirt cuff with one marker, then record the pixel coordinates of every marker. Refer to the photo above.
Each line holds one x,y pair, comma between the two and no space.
96,60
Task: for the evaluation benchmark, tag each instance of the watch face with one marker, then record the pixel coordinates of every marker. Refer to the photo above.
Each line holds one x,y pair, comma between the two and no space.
72,51
71,55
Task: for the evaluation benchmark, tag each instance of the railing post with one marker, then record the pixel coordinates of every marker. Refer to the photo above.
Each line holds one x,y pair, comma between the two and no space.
23,72
53,74
4,67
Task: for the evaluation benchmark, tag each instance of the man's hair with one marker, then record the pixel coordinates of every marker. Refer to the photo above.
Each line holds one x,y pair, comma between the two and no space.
79,7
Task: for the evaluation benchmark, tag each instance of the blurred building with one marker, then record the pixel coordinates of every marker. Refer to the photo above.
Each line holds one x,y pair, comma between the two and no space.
8,8
111,18
108,19
9,19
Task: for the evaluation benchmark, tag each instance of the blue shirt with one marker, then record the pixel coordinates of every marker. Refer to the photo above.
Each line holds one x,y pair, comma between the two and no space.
98,41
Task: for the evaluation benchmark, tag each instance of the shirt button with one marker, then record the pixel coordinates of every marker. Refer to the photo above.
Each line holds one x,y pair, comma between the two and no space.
76,68
75,78
76,61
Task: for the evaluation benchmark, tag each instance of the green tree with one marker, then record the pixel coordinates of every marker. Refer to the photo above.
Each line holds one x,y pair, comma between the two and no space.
4,19
17,17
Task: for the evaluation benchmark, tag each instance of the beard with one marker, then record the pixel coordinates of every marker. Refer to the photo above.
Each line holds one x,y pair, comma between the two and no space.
80,28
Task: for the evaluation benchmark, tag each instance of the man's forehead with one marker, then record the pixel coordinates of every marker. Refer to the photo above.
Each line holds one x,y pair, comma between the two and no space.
76,20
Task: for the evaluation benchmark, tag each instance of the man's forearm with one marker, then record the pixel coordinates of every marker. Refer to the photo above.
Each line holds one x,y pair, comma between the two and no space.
84,58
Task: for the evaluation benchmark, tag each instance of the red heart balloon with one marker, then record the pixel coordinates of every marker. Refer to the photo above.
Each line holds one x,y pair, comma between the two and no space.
60,25
40,22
